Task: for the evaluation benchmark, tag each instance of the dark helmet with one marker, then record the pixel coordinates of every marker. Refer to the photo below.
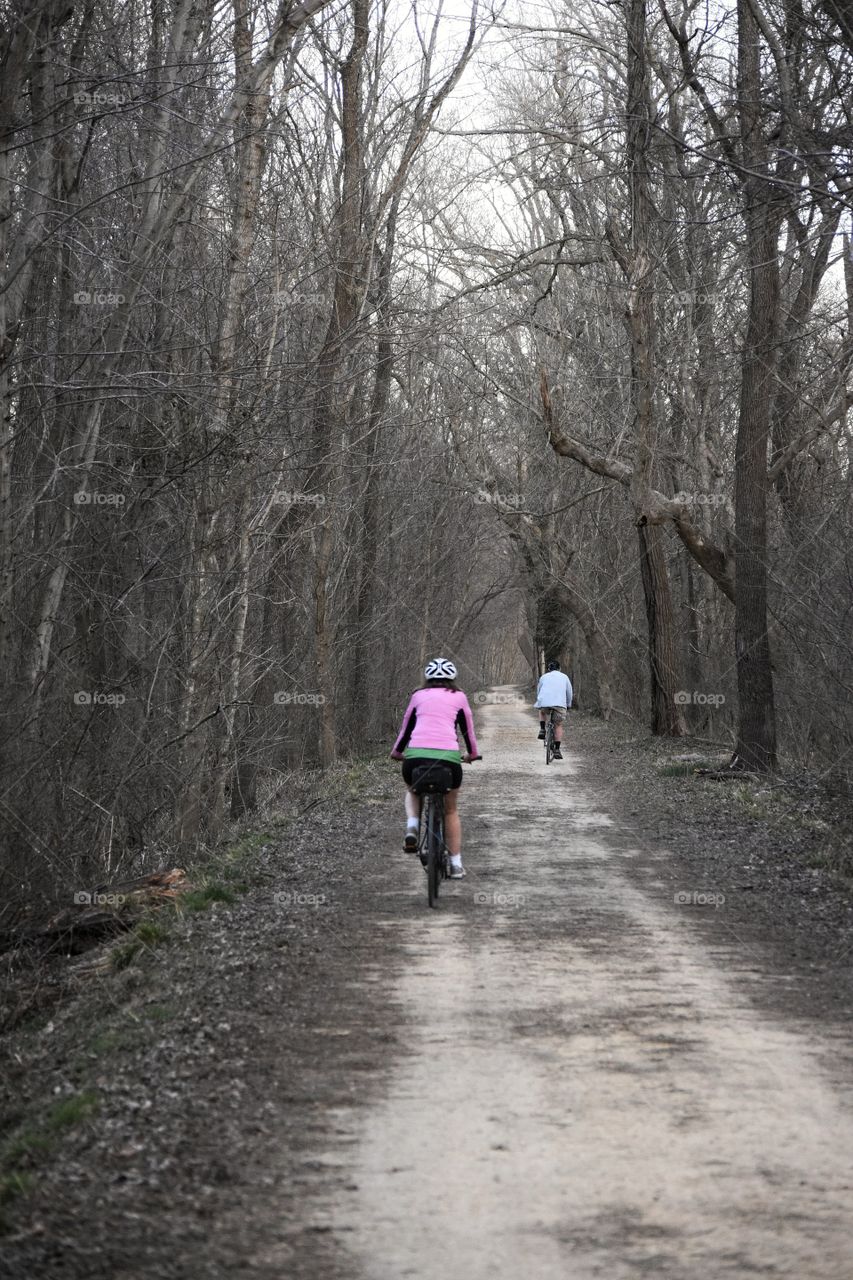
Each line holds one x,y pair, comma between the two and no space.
553,666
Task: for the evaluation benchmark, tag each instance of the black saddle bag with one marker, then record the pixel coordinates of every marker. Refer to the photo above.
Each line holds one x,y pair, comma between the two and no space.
432,778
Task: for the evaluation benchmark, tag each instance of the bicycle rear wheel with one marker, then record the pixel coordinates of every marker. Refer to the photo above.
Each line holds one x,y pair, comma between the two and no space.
549,740
435,846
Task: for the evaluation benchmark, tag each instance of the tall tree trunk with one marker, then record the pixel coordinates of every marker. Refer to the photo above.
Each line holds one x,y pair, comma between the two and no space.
227,760
193,725
366,649
29,54
667,717
331,399
637,264
756,740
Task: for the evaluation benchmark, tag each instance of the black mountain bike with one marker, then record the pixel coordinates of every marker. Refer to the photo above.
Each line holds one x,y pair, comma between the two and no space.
432,782
549,736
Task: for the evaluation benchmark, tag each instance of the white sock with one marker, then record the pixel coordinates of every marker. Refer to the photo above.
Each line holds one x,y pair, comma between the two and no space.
412,824
456,859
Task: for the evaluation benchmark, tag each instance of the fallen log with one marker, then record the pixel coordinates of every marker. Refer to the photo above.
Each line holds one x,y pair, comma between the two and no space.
726,775
102,912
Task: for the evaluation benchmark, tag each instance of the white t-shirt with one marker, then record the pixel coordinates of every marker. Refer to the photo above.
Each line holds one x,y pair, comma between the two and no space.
554,690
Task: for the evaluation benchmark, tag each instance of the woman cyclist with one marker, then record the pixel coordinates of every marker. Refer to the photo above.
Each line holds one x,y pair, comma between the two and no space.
435,713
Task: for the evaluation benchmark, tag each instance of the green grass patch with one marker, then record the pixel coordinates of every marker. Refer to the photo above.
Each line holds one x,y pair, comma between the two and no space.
752,804
246,845
202,898
70,1111
123,956
159,1012
108,1041
234,877
151,932
13,1185
135,1029
229,870
35,1142
29,1142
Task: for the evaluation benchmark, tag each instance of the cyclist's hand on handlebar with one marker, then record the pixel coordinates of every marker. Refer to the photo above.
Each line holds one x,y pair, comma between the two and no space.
469,759
397,755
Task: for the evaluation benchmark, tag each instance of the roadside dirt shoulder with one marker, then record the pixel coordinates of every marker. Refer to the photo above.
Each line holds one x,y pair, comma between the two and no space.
215,1064
751,862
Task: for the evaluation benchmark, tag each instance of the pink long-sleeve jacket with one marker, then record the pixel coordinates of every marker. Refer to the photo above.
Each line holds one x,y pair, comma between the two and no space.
431,721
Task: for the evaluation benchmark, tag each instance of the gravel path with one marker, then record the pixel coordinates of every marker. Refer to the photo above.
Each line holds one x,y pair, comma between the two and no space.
606,1102
563,1071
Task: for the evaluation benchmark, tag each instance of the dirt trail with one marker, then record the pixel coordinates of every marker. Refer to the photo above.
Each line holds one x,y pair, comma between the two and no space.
606,1101
560,1073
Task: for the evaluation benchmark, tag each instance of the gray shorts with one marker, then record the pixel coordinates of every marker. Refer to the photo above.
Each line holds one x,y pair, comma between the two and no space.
559,713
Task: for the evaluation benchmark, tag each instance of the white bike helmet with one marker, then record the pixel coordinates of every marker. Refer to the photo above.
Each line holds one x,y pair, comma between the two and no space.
440,669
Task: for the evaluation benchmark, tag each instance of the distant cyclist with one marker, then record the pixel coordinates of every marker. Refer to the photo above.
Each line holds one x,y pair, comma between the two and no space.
435,714
554,693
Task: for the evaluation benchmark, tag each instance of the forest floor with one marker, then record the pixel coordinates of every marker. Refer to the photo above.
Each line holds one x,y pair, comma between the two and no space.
621,1047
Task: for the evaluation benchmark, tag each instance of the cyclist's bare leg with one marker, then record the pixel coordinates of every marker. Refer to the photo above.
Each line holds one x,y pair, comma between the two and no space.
558,728
413,804
452,823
